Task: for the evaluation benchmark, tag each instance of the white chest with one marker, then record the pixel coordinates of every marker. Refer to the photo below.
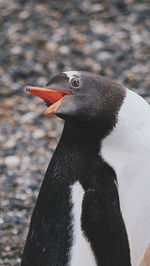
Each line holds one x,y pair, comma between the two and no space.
81,253
127,150
134,195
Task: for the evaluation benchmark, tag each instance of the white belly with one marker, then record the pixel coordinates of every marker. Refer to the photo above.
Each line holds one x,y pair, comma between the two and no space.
134,195
127,150
135,207
81,252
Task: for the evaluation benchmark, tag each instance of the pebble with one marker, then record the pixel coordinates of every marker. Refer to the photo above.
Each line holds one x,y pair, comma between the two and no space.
1,221
28,117
16,50
64,49
12,161
38,134
10,143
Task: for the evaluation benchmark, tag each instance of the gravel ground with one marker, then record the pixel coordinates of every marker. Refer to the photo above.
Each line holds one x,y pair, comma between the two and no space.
39,39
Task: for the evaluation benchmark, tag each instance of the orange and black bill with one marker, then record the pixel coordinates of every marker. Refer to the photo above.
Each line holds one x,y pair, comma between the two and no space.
52,98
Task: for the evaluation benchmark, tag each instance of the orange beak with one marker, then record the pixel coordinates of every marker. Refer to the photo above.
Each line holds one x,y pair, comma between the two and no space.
52,98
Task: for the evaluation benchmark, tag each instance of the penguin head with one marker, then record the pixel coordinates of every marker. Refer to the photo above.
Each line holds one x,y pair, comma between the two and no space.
84,98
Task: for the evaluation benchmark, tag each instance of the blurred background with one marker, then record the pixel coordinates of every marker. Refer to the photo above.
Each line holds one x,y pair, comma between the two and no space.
37,40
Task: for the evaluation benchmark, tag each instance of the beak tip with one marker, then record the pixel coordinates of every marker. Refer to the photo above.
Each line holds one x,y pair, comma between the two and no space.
27,89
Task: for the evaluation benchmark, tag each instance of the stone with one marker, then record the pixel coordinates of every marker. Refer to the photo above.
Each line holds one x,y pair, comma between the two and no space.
38,134
12,161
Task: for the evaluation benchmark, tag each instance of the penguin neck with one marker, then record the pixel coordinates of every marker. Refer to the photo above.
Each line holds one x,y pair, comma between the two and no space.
75,148
79,139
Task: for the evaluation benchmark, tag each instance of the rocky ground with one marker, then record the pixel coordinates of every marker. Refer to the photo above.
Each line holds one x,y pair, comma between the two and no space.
39,39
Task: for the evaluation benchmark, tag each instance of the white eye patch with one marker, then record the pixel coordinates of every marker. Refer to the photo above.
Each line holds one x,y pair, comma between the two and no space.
71,74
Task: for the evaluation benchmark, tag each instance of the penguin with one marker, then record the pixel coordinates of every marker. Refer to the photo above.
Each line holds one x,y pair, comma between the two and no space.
93,205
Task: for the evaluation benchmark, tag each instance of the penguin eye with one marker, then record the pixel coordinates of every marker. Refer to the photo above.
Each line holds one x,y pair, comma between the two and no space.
74,82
